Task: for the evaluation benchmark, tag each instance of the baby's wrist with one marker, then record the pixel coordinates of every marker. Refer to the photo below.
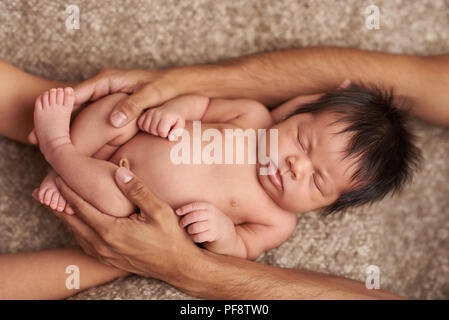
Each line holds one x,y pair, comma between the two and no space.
223,244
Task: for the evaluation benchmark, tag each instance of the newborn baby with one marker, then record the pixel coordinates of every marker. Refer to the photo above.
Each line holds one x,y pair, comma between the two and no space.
348,148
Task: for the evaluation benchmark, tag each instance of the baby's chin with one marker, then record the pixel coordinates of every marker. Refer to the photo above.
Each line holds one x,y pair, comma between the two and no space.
275,197
290,208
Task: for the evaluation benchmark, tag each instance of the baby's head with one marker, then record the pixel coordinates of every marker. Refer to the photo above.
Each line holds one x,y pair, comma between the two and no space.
350,147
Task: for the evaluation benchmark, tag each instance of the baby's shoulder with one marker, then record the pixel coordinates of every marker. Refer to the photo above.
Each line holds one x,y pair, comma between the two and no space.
259,114
251,114
286,222
277,218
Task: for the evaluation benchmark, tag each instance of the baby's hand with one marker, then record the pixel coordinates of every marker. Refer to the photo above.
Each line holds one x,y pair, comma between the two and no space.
162,121
206,223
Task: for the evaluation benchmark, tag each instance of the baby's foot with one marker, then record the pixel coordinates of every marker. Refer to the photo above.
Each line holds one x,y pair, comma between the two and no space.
52,119
50,195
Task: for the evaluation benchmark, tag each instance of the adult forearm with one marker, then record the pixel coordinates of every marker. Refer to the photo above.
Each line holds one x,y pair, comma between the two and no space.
42,275
224,277
278,76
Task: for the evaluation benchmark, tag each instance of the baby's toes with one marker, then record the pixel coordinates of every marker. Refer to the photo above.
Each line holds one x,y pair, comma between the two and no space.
45,100
32,138
54,200
47,197
35,194
52,97
38,103
61,204
41,194
60,96
69,97
68,209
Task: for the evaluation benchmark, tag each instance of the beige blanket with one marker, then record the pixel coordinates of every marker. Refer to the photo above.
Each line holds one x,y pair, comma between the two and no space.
406,237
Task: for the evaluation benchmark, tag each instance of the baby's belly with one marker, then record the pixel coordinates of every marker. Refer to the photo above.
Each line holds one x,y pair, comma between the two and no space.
229,187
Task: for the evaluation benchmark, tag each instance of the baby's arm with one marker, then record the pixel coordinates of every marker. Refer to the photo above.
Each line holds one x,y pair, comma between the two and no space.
164,120
209,225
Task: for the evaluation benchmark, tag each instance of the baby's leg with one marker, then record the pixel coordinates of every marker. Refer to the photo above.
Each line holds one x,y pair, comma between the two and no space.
70,155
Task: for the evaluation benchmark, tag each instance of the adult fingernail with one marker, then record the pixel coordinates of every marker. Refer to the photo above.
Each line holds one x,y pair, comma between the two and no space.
118,119
123,174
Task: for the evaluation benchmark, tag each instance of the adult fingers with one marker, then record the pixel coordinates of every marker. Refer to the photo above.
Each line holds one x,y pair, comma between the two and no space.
135,190
152,94
84,210
107,81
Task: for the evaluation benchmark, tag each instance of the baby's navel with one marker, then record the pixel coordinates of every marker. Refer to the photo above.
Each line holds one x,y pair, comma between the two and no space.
124,163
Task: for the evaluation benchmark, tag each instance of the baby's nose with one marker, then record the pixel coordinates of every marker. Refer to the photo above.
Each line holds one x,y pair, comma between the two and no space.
299,165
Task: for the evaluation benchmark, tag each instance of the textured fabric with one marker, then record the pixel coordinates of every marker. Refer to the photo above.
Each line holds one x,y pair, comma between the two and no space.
405,236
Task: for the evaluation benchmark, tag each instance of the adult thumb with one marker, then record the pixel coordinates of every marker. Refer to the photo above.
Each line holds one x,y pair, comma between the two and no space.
149,96
139,194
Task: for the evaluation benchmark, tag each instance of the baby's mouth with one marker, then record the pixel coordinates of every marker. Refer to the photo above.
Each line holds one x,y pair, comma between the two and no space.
275,176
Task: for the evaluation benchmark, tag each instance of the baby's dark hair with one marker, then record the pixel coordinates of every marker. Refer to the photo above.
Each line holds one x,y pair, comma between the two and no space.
381,142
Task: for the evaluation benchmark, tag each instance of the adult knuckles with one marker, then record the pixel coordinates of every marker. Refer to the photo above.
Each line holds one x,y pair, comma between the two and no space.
101,249
139,193
131,106
158,211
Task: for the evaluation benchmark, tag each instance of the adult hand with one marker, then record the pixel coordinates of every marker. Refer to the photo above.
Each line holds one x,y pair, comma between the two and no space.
150,243
148,88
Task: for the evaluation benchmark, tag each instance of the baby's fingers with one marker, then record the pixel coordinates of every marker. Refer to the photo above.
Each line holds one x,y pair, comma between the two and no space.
193,217
193,206
155,119
144,121
202,237
198,227
175,132
164,126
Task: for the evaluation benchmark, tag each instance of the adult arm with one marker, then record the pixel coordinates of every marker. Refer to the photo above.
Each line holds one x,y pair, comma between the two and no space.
275,77
42,275
153,244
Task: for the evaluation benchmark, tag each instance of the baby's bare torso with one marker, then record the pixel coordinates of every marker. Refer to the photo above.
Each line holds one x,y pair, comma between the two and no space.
233,188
